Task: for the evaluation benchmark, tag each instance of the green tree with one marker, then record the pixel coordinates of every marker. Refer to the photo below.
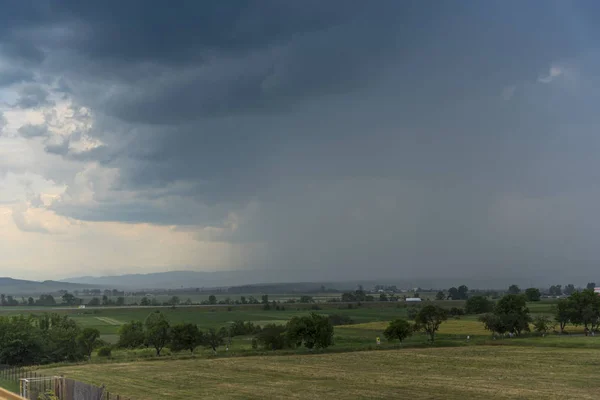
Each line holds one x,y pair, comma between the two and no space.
272,337
306,299
493,323
383,297
562,313
131,335
158,331
21,341
440,295
478,305
514,289
591,285
212,299
213,339
30,301
243,300
145,301
542,324
533,294
120,301
88,339
60,334
265,299
46,300
69,299
398,329
510,315
569,289
313,331
555,290
460,293
185,336
174,301
585,309
429,320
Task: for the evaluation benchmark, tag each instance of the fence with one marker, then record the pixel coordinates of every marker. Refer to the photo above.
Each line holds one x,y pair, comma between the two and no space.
33,386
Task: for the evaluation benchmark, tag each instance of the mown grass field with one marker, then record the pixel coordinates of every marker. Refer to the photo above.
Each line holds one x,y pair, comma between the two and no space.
474,372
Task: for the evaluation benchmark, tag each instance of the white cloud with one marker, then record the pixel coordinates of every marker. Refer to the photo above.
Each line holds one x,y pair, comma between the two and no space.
554,73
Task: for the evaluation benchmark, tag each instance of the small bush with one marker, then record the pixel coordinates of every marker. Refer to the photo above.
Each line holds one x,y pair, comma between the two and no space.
455,311
105,351
315,307
272,337
337,319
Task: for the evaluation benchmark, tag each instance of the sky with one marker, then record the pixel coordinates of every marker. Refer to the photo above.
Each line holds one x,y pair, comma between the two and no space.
343,138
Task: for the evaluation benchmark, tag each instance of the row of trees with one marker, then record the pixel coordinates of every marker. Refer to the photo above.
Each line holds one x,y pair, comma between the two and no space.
511,314
312,331
156,332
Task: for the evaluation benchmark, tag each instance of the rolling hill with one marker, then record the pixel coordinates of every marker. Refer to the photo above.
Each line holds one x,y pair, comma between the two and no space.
10,286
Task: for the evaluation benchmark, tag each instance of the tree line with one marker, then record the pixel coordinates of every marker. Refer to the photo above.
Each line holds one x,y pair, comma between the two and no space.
312,331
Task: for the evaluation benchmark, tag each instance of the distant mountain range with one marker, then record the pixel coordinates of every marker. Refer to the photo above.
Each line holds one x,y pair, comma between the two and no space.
20,287
333,280
182,279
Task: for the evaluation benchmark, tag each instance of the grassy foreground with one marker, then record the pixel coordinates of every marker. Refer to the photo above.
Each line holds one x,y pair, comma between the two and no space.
499,372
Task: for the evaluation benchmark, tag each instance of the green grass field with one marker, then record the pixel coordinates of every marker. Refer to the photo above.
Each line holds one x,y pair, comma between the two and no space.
108,321
456,368
475,372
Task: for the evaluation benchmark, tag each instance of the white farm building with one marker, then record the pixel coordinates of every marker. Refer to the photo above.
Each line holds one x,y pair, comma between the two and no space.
413,299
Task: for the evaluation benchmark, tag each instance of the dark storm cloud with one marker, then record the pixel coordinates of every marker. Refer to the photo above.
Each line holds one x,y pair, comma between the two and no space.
11,75
367,133
33,96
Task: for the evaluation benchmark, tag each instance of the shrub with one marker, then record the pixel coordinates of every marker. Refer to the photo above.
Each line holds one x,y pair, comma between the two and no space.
105,351
272,337
455,311
337,319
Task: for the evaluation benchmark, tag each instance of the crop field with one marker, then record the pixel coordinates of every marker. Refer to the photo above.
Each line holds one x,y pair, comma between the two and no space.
108,321
474,372
200,297
375,314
